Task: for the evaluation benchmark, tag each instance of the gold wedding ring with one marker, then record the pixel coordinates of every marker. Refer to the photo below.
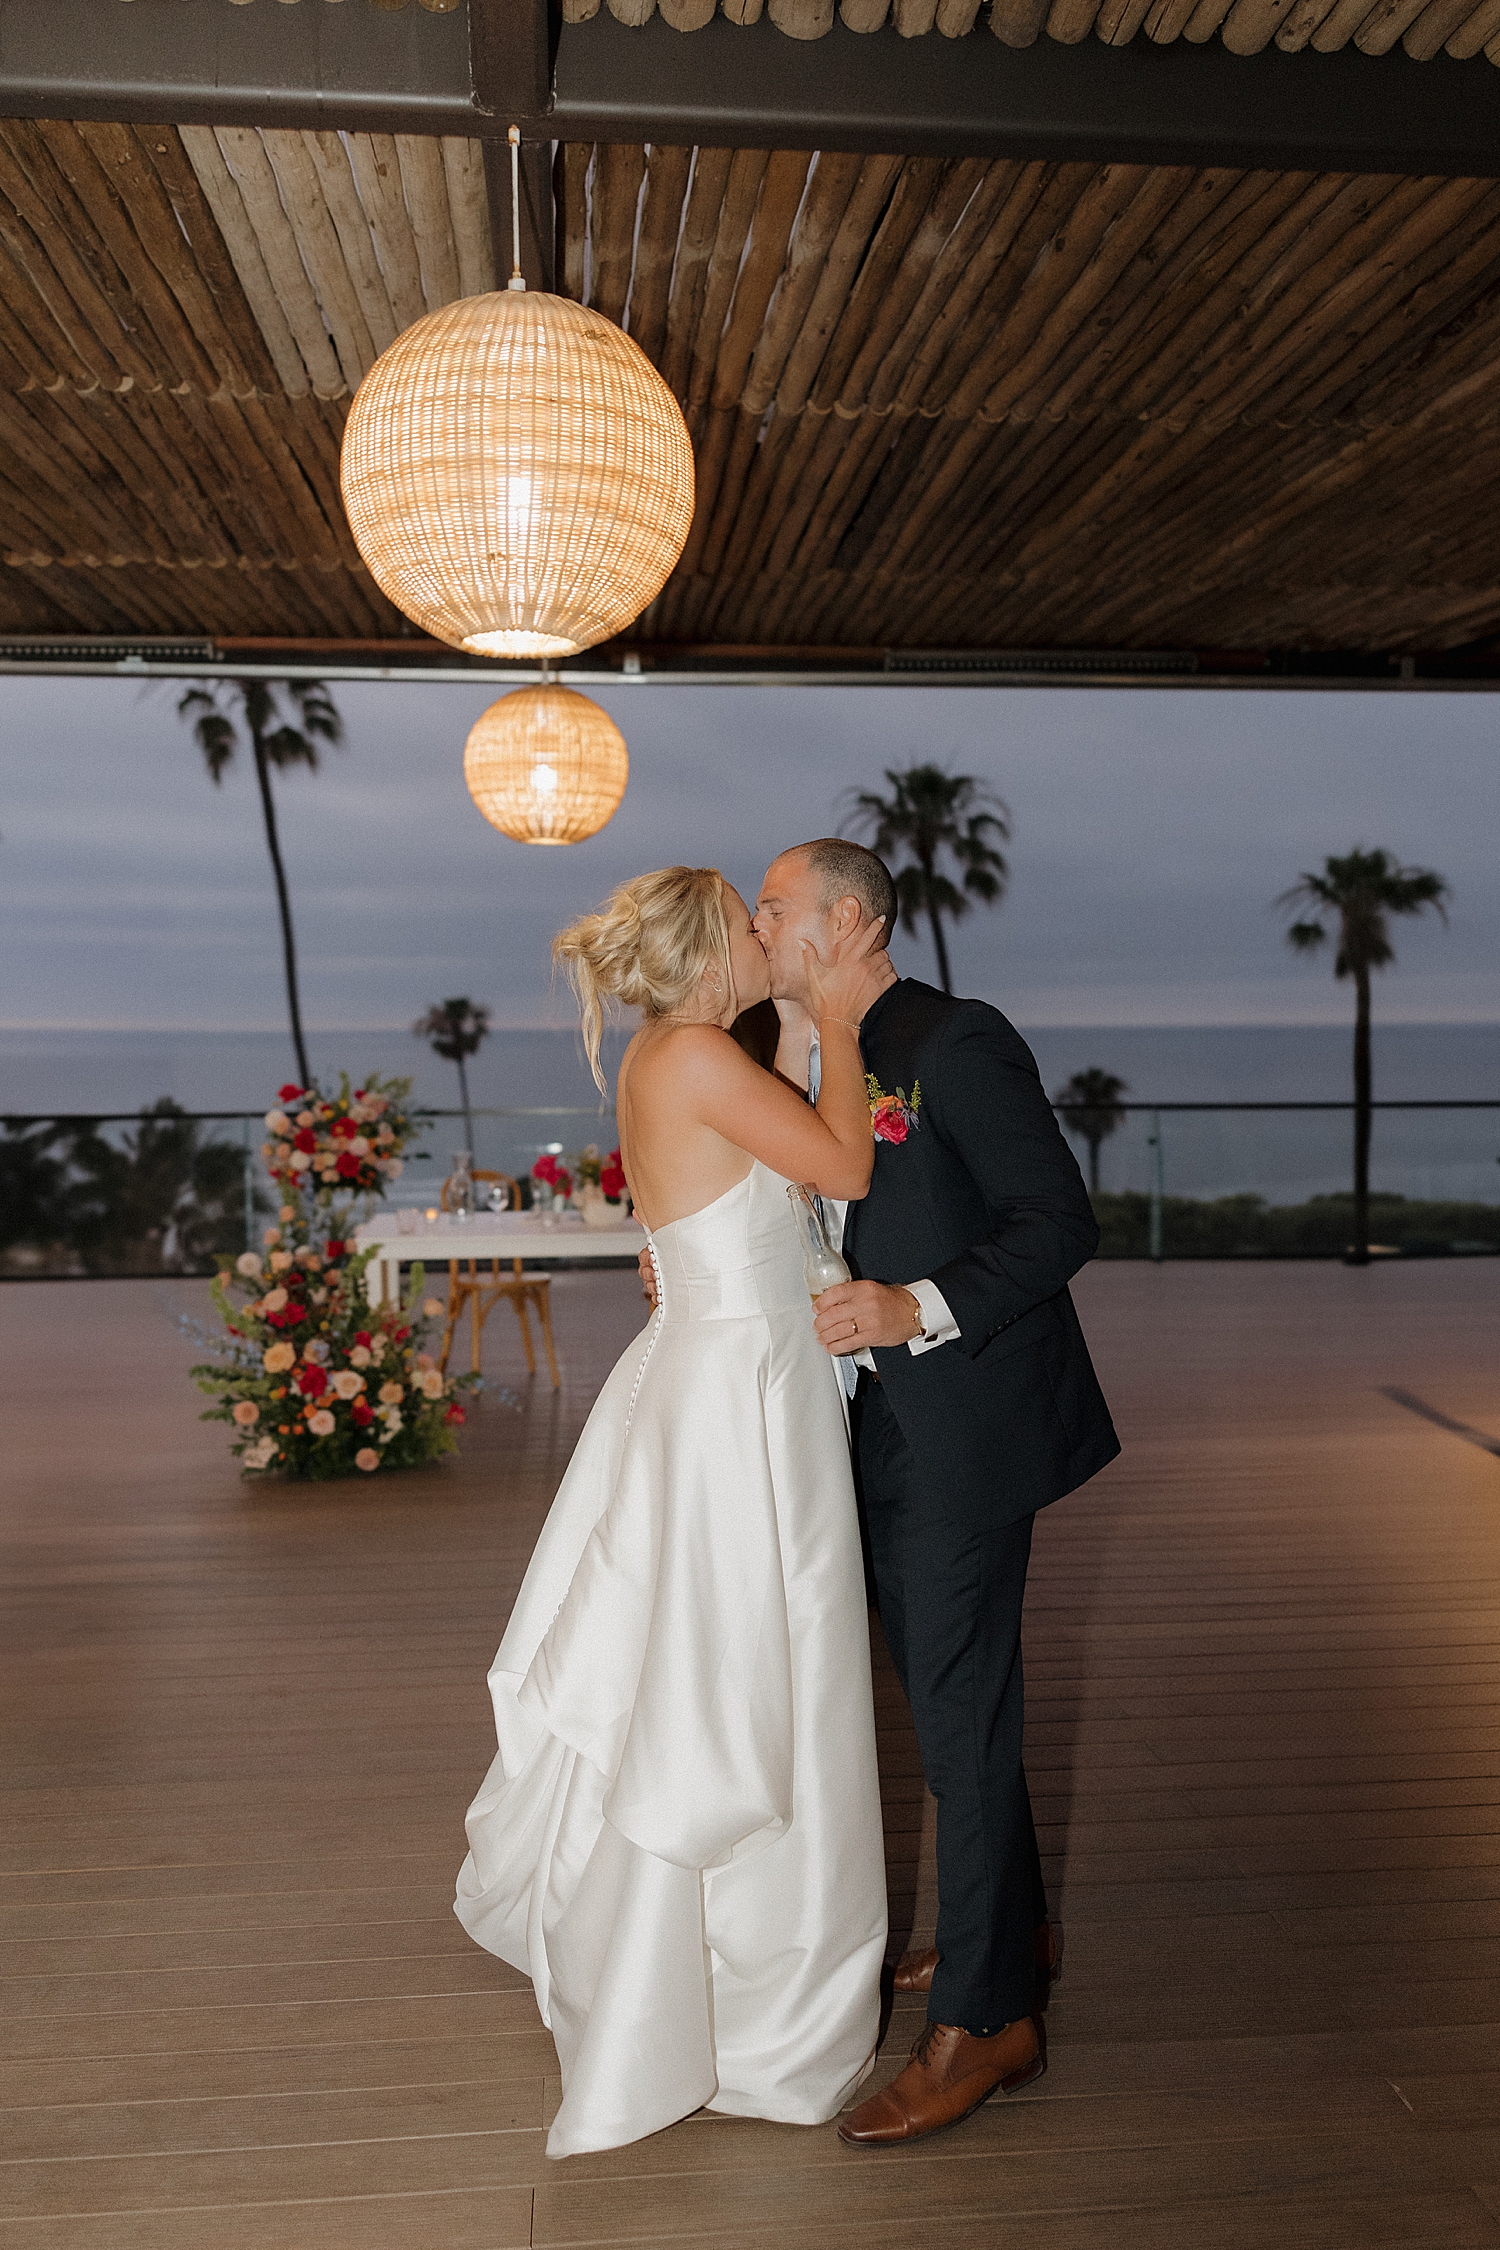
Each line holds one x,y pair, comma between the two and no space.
854,1327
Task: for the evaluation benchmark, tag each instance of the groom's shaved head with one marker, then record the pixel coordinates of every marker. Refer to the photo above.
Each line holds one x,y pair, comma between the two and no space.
847,870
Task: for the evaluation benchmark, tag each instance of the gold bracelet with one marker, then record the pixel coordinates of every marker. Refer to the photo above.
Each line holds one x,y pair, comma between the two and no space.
844,1020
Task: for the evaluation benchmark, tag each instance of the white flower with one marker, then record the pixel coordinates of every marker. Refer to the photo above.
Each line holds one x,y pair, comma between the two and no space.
385,1134
377,1350
322,1423
300,1160
347,1384
248,1263
359,1146
360,1356
316,1351
258,1455
391,1394
277,1121
392,1420
430,1383
317,1296
394,1168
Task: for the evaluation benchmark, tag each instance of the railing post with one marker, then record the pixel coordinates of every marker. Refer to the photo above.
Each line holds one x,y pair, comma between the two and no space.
1158,1182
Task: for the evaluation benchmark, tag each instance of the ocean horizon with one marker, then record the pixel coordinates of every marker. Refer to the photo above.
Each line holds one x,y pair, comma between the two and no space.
47,1071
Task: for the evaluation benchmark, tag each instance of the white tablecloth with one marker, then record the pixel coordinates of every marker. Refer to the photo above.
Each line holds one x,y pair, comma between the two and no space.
518,1234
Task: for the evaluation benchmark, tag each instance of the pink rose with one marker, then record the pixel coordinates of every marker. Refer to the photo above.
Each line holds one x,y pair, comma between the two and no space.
890,1125
246,1413
367,1458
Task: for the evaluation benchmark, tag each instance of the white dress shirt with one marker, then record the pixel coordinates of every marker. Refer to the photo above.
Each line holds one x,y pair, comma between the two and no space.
938,1323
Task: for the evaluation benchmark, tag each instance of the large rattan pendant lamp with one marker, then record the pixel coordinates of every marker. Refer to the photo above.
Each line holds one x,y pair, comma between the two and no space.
517,476
546,766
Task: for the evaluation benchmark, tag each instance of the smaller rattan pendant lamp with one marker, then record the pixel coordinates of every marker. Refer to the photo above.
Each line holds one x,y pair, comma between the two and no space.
546,765
517,476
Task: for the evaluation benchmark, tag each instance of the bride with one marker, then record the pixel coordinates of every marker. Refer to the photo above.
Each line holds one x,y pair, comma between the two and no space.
679,1839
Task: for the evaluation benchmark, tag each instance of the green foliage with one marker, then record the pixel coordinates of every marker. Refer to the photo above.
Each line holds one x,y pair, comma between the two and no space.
1359,892
929,813
162,1199
1246,1226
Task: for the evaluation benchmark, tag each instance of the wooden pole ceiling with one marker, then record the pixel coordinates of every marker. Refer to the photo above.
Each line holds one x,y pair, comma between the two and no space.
988,397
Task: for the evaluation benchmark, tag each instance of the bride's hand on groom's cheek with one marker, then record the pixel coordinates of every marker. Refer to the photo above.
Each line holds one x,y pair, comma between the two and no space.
855,1316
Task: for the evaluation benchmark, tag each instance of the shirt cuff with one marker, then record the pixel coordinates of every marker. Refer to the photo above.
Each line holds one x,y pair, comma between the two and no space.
938,1321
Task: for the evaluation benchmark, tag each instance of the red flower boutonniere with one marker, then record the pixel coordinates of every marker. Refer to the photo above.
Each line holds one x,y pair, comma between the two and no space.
892,1115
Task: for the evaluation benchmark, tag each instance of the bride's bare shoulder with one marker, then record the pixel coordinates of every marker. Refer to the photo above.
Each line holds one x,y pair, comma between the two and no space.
690,1051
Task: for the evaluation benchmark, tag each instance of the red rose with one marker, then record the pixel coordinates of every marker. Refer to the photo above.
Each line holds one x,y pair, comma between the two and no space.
890,1125
363,1335
545,1168
277,1319
306,1140
362,1413
291,1094
312,1382
295,1312
347,1167
612,1180
455,1412
401,1335
343,1128
336,1250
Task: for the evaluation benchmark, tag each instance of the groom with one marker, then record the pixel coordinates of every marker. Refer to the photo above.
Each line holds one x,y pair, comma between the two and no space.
974,1403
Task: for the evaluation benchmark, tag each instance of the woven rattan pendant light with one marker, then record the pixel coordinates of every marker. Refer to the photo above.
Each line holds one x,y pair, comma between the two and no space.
546,766
517,476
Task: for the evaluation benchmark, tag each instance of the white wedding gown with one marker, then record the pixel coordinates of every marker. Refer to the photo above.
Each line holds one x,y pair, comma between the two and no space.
679,1839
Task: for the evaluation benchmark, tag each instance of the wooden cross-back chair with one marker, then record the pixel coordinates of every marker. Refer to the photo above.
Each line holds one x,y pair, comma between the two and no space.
519,1288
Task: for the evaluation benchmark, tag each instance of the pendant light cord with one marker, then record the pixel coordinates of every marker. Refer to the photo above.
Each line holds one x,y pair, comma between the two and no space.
517,279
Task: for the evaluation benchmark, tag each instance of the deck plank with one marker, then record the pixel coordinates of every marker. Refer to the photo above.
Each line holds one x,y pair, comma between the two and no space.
1263,1661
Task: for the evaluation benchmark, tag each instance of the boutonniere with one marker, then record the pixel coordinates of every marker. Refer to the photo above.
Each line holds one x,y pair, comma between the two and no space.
892,1115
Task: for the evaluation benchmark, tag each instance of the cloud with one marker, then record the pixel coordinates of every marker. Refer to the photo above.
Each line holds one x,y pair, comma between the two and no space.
1152,830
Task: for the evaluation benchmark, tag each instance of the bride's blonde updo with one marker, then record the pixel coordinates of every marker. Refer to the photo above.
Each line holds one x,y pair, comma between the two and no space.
646,948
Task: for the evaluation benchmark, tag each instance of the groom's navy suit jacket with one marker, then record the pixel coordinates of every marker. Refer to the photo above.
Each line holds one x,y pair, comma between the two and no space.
984,1198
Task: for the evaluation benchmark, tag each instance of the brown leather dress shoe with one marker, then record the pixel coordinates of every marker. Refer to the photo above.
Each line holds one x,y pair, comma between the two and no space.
914,1970
950,2073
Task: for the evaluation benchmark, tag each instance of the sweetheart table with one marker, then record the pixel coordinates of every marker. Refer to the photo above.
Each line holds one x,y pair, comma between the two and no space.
508,1234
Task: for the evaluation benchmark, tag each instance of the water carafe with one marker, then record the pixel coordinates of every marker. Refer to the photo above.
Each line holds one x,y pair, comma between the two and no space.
460,1185
820,1261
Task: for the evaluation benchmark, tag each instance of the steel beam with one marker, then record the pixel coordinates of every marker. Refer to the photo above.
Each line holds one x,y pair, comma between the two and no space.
734,86
202,62
427,662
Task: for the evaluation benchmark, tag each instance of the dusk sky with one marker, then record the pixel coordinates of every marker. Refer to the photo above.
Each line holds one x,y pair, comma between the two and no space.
1152,831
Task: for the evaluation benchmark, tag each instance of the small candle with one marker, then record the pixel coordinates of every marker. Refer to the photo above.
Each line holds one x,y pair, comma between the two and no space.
431,1217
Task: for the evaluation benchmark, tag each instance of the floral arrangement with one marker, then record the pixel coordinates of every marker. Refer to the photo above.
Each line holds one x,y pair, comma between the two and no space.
892,1115
612,1177
349,1143
548,1173
591,1170
315,1380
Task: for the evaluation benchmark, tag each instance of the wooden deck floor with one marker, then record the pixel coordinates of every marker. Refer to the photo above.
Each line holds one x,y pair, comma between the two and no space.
1264,1670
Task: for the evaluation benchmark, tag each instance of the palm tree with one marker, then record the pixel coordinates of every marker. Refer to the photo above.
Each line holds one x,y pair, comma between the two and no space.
1091,1108
454,1029
930,812
1361,891
274,741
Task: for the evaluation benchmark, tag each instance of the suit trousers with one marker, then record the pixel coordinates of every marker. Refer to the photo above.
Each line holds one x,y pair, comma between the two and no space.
949,1585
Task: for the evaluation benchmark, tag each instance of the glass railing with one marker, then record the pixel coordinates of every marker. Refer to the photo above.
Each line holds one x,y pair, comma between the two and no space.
168,1191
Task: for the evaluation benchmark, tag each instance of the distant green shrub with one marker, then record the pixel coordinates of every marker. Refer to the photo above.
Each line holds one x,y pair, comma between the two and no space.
1246,1226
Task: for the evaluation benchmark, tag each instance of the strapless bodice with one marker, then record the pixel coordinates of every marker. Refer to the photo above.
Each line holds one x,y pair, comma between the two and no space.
739,1257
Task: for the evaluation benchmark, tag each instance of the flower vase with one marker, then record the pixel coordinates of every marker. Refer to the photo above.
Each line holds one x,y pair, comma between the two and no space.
596,1212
